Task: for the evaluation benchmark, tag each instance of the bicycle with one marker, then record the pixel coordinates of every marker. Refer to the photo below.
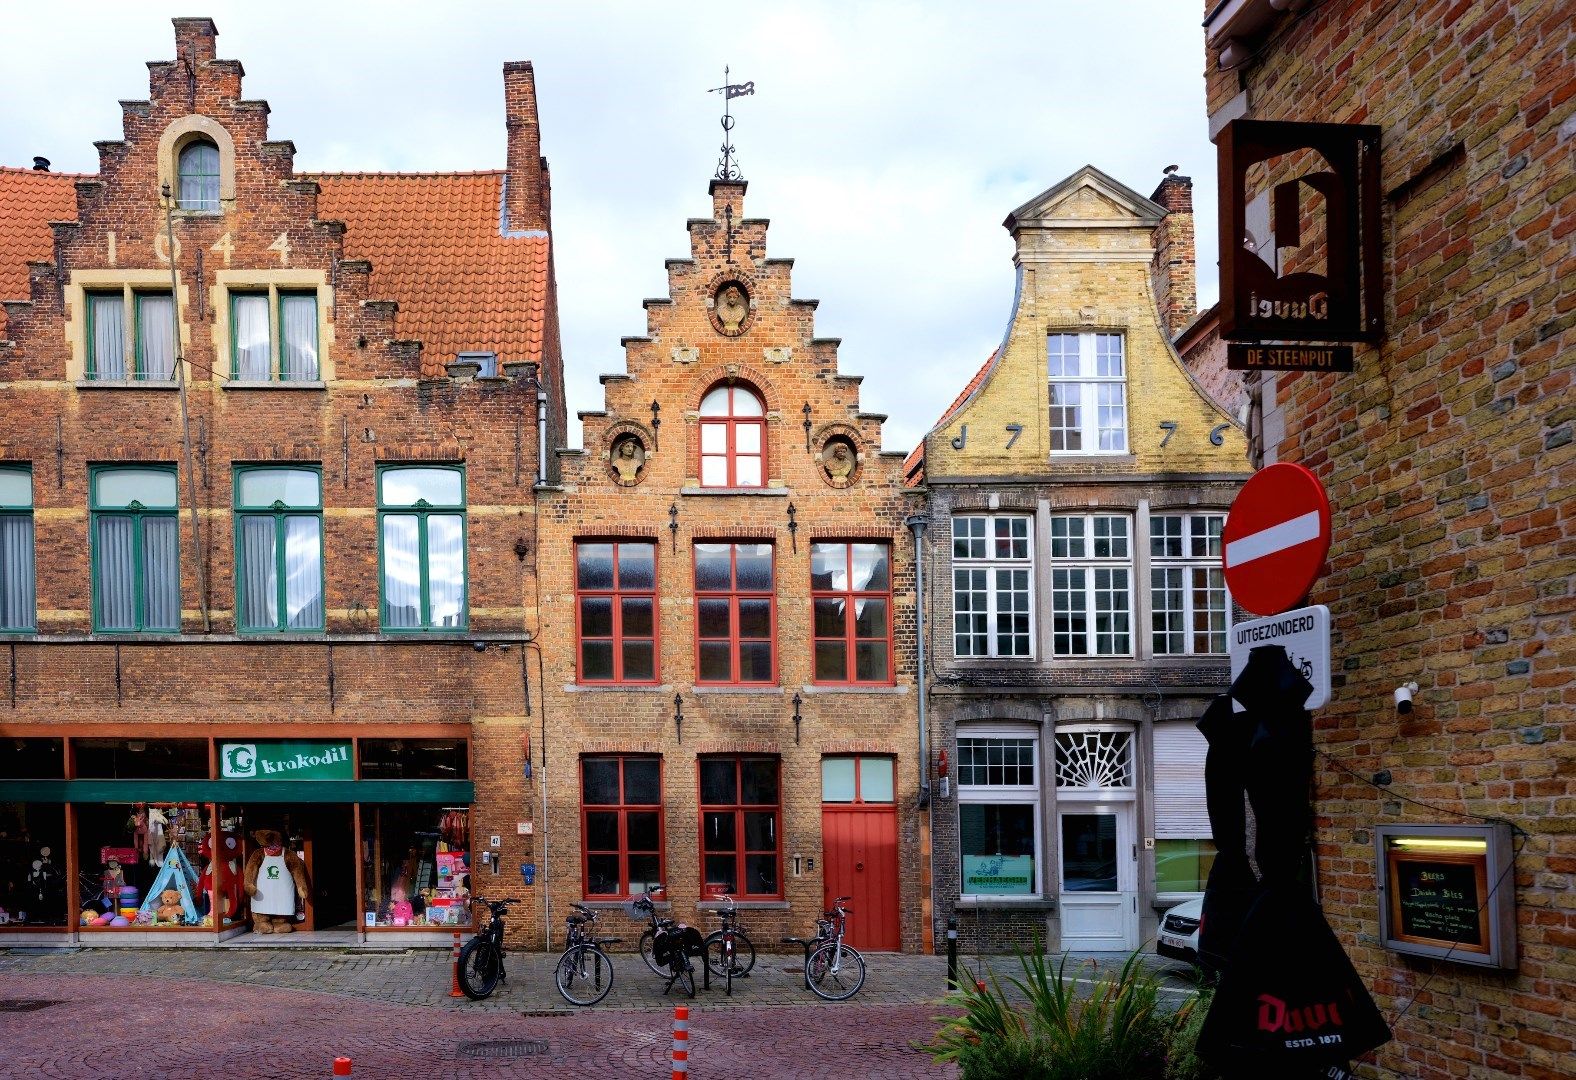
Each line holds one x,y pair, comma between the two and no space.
644,906
729,952
672,946
585,972
833,971
481,961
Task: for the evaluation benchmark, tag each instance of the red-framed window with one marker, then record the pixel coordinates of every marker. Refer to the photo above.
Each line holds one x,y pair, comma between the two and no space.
735,613
620,824
732,438
851,594
615,611
740,808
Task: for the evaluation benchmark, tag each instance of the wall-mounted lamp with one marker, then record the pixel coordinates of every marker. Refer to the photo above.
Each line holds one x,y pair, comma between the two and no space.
806,411
797,701
793,527
656,426
678,715
673,525
520,550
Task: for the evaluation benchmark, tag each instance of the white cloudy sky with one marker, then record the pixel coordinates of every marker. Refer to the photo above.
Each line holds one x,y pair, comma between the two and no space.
886,141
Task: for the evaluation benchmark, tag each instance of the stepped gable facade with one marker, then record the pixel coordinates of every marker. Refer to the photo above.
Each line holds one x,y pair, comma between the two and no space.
726,583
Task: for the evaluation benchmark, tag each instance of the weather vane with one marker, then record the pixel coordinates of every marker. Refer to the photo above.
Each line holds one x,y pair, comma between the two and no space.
728,168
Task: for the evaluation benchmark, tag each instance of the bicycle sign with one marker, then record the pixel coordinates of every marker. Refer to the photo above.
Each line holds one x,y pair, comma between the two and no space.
1305,635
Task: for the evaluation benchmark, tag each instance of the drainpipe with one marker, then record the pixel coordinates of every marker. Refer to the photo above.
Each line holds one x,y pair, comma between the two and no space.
918,523
541,434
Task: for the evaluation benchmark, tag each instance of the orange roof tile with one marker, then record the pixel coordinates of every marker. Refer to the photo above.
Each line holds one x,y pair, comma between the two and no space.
29,201
913,465
437,249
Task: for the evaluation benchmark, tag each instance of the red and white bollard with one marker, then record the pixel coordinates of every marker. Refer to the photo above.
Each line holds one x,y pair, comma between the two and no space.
454,988
341,1066
681,1042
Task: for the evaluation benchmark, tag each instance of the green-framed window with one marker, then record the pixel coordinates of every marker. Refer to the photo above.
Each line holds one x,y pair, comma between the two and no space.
278,548
421,546
274,335
152,352
135,547
198,166
18,597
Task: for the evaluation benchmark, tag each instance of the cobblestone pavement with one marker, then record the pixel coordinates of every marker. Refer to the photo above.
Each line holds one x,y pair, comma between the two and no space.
168,1012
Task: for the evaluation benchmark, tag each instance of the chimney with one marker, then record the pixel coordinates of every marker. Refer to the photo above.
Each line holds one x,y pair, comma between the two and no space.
1174,270
41,164
196,40
525,206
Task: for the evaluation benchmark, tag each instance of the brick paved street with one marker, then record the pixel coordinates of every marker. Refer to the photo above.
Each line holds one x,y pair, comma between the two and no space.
145,1013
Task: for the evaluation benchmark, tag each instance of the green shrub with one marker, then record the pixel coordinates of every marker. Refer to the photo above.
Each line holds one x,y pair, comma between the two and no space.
1118,1032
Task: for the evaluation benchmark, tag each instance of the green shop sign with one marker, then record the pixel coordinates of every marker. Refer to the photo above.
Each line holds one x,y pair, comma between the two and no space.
316,760
998,874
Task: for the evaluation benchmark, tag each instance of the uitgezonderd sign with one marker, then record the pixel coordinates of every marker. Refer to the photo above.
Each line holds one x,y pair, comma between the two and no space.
1299,233
287,760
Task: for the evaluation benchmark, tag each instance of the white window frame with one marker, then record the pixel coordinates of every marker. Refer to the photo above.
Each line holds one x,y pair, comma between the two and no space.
1108,793
1089,380
1091,566
994,568
1005,794
1190,563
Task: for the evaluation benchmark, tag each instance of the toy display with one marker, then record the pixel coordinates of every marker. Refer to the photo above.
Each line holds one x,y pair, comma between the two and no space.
172,896
275,878
226,872
417,869
169,909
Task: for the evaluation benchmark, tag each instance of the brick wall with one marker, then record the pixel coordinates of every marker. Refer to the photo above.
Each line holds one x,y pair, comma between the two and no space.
1448,458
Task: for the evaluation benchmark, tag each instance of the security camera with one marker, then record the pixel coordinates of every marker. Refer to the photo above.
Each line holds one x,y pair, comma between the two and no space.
1403,697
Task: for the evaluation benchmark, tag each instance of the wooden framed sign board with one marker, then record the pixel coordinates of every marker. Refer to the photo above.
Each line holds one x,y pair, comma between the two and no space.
1448,892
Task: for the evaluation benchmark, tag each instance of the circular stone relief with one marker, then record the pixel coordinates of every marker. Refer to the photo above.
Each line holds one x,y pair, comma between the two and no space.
627,459
730,309
839,460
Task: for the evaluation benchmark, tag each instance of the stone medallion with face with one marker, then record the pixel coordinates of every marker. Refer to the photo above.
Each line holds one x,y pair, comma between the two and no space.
731,308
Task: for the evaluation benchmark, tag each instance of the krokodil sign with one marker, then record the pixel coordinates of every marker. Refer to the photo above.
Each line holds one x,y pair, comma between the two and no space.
327,759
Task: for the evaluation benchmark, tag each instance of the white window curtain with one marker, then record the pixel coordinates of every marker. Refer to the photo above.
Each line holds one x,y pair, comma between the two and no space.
401,571
115,569
18,609
156,328
298,314
304,573
259,585
199,176
161,585
251,338
446,569
109,337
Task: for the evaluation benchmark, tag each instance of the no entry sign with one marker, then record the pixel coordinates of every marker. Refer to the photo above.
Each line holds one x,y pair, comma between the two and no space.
1276,538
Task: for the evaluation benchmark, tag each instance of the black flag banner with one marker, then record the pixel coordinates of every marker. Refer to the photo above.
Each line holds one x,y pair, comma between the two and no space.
1287,992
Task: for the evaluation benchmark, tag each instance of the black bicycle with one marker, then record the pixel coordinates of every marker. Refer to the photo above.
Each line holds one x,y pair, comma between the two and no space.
481,961
729,953
585,972
644,907
832,970
673,945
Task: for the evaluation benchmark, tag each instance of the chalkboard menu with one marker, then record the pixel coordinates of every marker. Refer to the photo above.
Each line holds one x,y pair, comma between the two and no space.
1448,892
1439,898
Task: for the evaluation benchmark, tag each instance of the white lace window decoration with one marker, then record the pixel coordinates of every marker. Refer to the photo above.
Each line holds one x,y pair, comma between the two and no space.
1094,759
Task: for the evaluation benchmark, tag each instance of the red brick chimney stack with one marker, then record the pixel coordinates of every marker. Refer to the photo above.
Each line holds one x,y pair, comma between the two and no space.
196,40
525,204
1175,270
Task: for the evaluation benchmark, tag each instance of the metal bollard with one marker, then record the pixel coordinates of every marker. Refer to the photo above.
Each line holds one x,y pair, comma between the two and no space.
681,1042
341,1066
454,984
952,953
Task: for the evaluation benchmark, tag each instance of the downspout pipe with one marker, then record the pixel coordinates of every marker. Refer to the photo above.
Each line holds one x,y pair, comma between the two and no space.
541,435
918,523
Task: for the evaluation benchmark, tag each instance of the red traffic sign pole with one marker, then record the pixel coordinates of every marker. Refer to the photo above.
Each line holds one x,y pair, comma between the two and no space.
1276,538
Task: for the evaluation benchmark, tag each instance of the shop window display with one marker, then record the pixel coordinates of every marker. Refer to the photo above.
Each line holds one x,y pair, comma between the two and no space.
141,865
415,866
141,759
32,865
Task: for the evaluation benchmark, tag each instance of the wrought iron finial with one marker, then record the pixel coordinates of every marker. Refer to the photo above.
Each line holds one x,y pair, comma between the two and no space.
727,167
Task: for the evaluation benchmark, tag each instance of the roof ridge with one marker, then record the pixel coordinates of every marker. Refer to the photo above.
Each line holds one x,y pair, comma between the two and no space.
401,175
28,170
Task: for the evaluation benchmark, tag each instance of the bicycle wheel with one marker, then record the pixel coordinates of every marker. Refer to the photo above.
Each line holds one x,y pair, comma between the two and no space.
686,977
584,975
743,955
648,942
479,969
835,972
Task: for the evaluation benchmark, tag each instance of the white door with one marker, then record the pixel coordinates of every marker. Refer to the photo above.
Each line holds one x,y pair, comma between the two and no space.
1099,875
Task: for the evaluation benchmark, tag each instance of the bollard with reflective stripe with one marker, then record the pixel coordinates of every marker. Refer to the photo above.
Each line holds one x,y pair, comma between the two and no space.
680,1042
341,1066
952,954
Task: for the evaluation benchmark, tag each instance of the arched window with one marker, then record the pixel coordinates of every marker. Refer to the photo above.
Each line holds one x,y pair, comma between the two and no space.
199,175
732,438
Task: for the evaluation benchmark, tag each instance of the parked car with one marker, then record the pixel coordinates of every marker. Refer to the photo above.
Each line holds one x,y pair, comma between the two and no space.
1178,937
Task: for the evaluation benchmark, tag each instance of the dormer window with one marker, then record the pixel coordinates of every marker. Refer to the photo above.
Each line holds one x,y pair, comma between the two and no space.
198,167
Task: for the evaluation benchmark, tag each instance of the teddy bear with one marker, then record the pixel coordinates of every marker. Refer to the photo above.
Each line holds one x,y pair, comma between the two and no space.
275,878
226,871
170,909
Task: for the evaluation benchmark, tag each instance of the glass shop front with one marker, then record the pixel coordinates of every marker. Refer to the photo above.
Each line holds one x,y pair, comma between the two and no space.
218,836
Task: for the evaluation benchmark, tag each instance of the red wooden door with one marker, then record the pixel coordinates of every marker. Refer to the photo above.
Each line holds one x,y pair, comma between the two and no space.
859,860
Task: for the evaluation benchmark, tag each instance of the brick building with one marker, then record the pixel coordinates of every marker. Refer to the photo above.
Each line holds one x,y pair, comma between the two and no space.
1076,617
727,619
267,447
1448,458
